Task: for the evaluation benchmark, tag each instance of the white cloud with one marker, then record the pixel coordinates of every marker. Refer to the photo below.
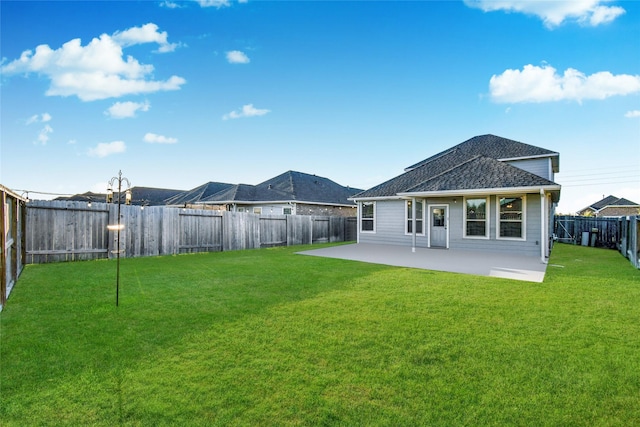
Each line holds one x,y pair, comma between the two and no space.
43,136
246,111
39,118
170,5
153,138
554,13
237,57
105,149
148,33
214,3
633,113
121,110
99,69
544,84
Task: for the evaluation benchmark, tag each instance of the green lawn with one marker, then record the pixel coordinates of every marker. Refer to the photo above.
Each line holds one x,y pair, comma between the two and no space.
268,337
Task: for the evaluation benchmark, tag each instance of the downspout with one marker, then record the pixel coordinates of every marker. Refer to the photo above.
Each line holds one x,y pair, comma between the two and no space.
543,229
358,221
413,224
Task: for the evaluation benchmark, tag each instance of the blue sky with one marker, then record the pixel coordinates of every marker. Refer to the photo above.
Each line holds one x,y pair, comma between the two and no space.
176,94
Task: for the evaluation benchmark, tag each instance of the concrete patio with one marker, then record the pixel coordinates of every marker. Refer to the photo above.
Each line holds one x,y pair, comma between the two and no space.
506,266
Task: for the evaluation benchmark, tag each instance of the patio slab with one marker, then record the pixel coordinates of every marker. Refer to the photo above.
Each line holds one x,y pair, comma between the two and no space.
506,266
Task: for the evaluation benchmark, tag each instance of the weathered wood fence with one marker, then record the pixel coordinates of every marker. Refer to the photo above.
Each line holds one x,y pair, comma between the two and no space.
70,231
12,233
620,233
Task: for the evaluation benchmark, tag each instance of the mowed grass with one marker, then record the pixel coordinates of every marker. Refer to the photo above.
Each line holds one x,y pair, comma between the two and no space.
270,337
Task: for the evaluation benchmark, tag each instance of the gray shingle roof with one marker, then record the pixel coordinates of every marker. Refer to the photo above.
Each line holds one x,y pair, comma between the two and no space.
611,201
471,165
481,172
140,196
289,186
197,194
492,146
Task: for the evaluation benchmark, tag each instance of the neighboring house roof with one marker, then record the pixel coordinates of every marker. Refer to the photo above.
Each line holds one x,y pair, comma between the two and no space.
246,193
476,164
151,196
609,201
89,196
139,196
290,186
197,194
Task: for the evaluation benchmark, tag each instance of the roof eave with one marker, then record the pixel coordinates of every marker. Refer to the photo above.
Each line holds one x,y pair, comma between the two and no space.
478,191
366,199
280,202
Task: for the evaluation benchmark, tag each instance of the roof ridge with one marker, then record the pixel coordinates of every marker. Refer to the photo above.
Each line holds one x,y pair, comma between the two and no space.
293,185
431,159
477,156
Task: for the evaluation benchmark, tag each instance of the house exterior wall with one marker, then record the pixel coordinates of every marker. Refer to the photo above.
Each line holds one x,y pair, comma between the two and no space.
618,211
390,220
541,167
299,209
304,209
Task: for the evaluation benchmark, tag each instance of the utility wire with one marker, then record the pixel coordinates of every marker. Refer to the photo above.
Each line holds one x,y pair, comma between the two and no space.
597,183
42,192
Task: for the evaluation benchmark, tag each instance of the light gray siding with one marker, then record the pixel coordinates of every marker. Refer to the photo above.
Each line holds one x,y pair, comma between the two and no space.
390,227
541,167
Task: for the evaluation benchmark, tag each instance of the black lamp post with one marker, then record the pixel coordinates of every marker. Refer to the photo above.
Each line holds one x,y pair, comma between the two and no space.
127,199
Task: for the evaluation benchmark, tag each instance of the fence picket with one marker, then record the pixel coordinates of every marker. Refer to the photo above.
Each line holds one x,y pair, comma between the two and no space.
68,231
621,233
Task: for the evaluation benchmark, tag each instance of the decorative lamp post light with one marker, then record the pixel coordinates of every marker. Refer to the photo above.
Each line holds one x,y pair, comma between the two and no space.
117,227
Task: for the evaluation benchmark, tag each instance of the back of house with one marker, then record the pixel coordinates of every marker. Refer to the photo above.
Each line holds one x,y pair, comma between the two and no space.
487,193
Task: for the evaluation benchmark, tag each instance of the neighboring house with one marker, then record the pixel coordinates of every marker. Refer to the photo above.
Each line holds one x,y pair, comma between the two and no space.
611,206
488,193
145,196
291,193
195,196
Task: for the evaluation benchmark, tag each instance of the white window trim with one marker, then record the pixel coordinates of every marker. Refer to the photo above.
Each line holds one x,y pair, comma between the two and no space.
464,218
360,230
406,218
524,217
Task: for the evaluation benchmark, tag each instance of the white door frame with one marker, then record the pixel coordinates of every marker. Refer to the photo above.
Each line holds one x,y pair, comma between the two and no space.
446,222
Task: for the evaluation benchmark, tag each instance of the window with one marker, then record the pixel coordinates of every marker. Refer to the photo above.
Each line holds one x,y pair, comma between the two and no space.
511,217
419,217
367,216
476,216
438,217
286,211
257,211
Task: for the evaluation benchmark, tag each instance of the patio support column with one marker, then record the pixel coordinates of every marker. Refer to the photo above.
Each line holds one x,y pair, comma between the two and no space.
544,224
413,224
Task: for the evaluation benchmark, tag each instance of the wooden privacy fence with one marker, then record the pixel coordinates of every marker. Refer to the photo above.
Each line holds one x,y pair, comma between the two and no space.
12,246
70,231
620,233
570,229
